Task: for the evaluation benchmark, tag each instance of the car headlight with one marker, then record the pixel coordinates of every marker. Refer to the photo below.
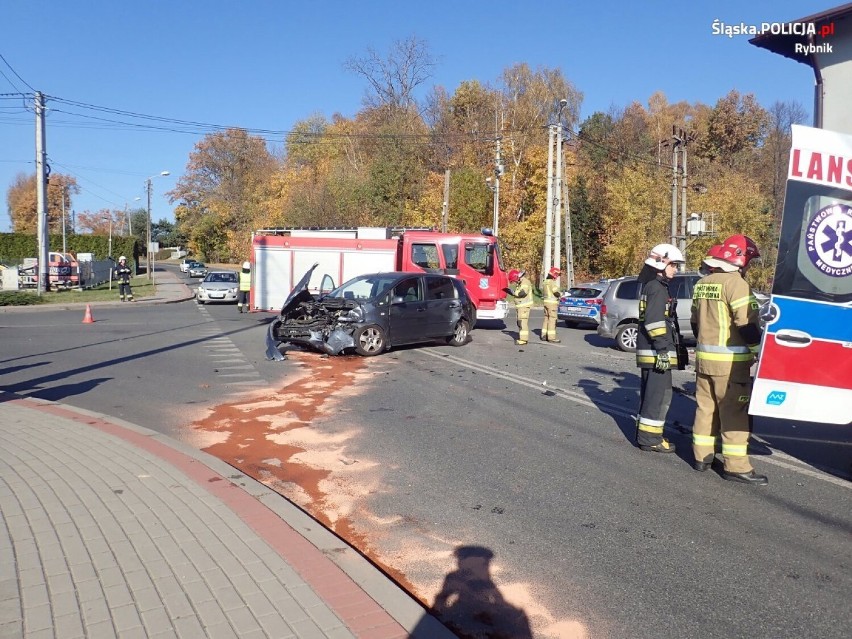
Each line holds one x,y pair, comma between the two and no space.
232,291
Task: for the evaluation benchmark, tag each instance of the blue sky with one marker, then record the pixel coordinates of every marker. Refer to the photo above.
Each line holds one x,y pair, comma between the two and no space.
268,64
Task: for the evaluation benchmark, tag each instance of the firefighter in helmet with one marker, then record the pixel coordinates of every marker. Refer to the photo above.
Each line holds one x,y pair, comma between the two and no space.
122,274
726,323
523,294
244,288
655,346
550,299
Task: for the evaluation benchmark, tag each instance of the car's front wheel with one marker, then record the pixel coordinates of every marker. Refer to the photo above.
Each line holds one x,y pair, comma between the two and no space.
460,333
625,338
369,340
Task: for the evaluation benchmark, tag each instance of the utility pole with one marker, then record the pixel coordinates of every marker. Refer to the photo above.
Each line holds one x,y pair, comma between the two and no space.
148,233
445,209
64,191
42,172
676,141
548,224
498,172
569,246
687,138
557,200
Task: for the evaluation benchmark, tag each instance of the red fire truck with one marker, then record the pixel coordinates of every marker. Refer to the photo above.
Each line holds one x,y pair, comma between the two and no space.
280,257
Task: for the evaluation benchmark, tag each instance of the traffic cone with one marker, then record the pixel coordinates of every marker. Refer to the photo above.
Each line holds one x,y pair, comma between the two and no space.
87,318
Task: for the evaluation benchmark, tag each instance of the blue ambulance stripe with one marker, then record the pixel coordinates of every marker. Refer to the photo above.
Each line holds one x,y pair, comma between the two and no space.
818,319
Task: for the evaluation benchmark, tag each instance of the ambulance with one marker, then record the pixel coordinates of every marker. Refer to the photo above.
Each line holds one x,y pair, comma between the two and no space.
804,370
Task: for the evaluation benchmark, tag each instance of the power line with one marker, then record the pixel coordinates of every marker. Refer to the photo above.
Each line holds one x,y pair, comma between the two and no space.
16,75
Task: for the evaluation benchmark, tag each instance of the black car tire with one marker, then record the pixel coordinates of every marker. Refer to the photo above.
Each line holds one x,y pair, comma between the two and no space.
460,334
625,338
198,301
369,340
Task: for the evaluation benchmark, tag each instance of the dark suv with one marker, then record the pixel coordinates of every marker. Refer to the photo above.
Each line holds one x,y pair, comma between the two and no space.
620,308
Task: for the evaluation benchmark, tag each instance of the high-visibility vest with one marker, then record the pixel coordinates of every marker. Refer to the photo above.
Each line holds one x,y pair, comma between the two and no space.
245,280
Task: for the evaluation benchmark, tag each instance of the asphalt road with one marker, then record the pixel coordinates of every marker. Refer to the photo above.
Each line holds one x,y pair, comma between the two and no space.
522,451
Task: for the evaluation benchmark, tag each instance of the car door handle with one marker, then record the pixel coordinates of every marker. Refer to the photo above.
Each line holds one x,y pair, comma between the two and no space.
421,310
454,304
796,339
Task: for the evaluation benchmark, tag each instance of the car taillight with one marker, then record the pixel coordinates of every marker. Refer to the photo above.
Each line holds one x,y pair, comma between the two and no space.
603,308
595,302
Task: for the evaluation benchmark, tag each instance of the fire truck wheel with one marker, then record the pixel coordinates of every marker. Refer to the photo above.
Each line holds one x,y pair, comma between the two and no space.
369,340
459,336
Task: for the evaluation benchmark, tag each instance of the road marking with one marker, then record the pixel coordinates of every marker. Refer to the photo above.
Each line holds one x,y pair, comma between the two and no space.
790,463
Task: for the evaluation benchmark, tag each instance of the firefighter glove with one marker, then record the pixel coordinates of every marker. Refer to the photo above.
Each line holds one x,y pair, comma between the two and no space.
662,363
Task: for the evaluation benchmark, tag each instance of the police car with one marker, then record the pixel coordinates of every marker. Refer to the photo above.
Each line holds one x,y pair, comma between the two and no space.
581,304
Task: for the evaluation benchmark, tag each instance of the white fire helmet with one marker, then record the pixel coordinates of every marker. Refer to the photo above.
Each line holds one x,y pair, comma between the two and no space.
246,266
122,259
663,254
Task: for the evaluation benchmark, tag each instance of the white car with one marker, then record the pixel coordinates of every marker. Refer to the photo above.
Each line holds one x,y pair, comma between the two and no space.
218,286
184,264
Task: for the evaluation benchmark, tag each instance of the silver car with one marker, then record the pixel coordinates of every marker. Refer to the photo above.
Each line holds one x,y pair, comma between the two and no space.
218,286
620,309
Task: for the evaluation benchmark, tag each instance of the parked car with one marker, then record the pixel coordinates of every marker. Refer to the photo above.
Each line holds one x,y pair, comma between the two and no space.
371,313
218,286
184,264
581,304
197,269
620,308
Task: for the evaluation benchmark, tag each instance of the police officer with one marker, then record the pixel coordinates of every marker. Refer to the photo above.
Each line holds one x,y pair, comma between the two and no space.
550,299
655,347
523,294
725,320
122,274
245,287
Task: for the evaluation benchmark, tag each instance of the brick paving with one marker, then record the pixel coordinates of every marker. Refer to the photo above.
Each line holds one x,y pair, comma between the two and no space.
108,529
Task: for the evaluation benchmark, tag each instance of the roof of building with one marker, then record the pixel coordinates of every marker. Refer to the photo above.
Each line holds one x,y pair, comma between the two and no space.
784,43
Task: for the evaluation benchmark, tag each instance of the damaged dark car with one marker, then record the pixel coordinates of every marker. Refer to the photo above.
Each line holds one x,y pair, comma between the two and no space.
372,313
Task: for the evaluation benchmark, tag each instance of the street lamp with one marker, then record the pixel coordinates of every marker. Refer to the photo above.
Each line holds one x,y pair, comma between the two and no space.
148,261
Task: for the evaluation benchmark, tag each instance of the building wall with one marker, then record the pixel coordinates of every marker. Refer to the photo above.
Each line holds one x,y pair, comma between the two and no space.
837,82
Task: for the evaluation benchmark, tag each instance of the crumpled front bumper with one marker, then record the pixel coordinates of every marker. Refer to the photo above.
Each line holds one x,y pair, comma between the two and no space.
336,342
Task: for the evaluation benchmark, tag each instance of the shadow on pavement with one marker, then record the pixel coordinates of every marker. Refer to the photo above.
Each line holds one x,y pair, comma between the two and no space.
471,605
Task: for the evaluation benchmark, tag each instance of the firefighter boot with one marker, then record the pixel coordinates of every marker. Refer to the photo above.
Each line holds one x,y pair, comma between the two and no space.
121,298
750,477
664,446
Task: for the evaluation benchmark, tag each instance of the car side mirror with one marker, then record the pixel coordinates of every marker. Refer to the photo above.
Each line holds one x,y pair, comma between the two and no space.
397,299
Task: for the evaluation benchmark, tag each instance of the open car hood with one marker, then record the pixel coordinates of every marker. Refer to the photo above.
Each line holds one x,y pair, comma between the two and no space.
300,292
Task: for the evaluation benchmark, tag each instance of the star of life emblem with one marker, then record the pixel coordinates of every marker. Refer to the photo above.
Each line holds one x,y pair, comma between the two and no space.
828,240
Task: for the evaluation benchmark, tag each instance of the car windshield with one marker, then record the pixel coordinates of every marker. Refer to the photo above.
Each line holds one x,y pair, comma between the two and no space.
583,292
221,277
364,287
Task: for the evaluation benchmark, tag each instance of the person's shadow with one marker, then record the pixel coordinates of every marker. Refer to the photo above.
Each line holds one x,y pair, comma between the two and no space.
471,605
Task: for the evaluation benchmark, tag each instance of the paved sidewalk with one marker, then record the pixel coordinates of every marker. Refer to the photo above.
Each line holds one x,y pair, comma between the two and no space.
108,529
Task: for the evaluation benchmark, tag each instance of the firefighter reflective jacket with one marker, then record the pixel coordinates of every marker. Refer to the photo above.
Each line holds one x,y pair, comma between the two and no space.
550,290
655,330
245,280
122,273
725,314
524,293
